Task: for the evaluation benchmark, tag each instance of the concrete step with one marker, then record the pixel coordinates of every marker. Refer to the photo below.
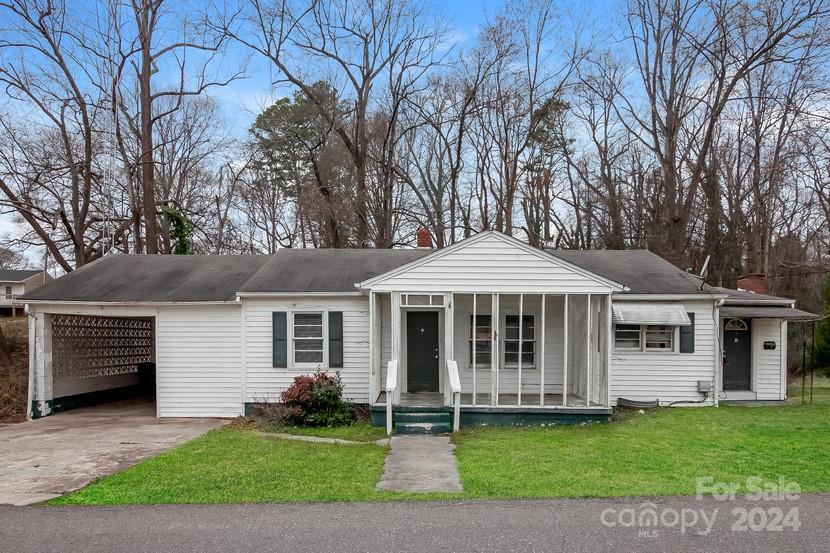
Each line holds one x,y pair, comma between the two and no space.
424,417
423,428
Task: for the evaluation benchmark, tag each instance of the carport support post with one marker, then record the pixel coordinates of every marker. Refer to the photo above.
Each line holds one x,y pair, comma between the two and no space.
40,364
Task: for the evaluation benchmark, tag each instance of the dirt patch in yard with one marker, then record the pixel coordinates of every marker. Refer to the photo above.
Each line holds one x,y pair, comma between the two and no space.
14,379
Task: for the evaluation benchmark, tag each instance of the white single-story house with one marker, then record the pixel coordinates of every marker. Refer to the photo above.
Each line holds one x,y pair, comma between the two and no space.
16,282
487,330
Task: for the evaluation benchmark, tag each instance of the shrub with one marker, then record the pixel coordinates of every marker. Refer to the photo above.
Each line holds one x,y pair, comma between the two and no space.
316,400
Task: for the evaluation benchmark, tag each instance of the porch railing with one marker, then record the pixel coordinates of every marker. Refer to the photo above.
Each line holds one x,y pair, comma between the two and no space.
391,392
452,392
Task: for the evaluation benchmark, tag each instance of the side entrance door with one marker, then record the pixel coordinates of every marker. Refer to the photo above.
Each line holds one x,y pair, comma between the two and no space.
737,354
422,351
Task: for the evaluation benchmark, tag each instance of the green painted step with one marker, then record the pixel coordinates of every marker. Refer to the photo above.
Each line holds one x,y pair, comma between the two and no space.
423,428
439,417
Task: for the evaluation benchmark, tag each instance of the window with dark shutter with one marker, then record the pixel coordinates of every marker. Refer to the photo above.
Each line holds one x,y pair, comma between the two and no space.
336,339
279,327
687,336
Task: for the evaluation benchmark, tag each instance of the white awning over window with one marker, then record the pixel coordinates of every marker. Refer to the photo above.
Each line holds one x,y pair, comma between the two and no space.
650,313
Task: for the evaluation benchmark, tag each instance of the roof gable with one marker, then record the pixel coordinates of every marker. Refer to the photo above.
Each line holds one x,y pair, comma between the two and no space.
491,262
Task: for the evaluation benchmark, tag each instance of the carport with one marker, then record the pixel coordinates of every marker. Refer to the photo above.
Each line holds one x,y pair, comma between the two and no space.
82,356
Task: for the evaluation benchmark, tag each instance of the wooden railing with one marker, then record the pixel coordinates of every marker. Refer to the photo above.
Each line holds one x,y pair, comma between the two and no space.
391,392
452,392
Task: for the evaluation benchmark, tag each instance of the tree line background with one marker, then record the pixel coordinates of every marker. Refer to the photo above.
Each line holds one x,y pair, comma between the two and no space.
693,128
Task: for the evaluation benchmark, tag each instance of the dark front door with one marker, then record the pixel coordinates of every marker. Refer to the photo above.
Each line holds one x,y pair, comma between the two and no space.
737,354
422,351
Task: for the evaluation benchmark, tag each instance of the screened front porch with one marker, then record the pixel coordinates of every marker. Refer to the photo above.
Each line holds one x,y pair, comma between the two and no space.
507,350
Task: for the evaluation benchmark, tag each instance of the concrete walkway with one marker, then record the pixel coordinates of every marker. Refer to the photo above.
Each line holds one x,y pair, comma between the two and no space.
420,464
48,457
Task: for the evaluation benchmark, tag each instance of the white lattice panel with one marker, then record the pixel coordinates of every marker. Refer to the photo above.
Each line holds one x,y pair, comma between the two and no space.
87,346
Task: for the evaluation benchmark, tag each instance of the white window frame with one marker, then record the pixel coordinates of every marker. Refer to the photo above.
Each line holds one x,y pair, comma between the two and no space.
642,347
504,341
639,338
325,329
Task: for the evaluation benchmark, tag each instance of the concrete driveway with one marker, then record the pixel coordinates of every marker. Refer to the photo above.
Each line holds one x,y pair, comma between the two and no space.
48,457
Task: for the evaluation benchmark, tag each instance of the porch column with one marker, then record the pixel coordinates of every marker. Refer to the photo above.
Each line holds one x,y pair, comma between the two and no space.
609,340
519,360
475,337
40,365
565,354
494,351
589,349
540,338
395,333
375,384
449,340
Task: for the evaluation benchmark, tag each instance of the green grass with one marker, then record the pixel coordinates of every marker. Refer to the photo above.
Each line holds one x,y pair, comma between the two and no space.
358,432
821,389
235,466
660,452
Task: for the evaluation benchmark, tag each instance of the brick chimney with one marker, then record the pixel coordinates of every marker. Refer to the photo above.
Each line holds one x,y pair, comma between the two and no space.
753,282
423,240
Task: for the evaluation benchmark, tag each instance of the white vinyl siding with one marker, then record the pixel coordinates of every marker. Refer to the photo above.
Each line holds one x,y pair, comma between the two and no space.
198,361
668,376
263,382
492,263
767,364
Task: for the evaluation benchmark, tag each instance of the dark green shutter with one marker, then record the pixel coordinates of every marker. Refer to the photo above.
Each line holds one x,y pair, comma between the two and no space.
687,336
335,339
279,327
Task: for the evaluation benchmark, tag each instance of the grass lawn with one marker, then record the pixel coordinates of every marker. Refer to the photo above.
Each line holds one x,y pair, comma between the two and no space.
660,452
234,466
358,432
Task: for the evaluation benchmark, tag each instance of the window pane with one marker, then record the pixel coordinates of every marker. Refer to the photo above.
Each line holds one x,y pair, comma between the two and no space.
527,359
659,337
627,337
308,331
511,347
308,356
307,345
511,358
308,319
482,352
437,300
527,327
417,299
482,321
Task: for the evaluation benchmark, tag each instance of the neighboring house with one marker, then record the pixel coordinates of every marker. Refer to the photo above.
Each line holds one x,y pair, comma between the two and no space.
16,282
508,332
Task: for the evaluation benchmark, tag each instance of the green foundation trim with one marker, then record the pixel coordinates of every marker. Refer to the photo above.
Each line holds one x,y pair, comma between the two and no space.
504,416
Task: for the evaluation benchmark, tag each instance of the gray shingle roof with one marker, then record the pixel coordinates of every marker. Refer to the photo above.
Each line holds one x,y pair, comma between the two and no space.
154,278
164,278
325,270
640,270
17,275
